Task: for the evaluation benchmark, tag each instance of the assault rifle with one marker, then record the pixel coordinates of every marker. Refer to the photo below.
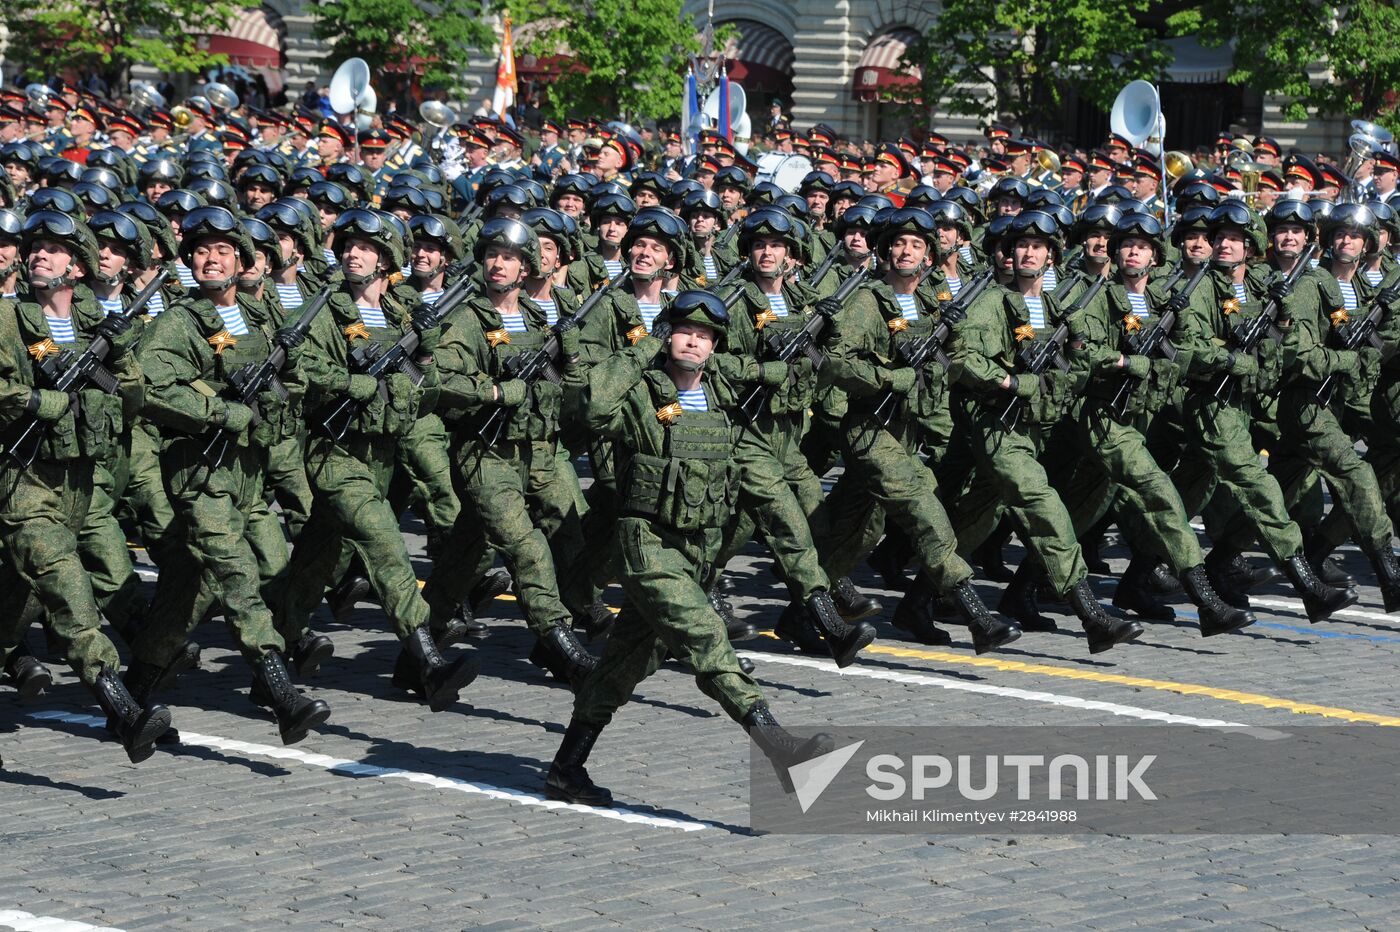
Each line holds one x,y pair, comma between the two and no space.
1157,340
1357,332
919,354
248,382
1252,332
1037,360
543,363
369,359
786,347
71,373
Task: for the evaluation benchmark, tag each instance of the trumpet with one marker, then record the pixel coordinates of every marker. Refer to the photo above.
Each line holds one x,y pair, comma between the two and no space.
1049,163
182,117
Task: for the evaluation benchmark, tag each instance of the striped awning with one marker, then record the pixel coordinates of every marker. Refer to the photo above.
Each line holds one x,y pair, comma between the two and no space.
879,70
759,46
253,39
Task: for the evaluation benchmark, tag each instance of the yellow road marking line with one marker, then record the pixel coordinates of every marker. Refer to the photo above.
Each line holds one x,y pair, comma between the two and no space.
1120,679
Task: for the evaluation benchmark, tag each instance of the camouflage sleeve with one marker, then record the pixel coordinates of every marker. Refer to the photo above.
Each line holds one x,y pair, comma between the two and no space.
464,383
980,341
605,406
171,358
1310,309
14,390
1198,325
854,359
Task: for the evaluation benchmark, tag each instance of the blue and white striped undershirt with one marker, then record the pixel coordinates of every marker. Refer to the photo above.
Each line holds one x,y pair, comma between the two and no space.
1374,277
290,296
111,305
372,316
186,276
614,267
693,399
1240,294
61,329
711,268
777,304
966,253
908,306
156,305
1348,294
431,298
954,286
1051,278
551,311
330,258
1037,308
649,310
514,323
233,320
1138,302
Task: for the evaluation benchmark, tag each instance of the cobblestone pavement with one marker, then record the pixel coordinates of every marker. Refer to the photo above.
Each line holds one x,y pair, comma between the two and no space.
394,818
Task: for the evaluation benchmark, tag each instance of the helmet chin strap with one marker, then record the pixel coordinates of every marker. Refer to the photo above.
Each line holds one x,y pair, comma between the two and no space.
420,278
685,365
63,280
1030,274
217,285
505,287
1133,274
649,277
911,273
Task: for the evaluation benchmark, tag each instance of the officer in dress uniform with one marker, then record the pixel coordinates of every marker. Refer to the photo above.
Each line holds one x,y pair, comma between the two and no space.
374,145
550,158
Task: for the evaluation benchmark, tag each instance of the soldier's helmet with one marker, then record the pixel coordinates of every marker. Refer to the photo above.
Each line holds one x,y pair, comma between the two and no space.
953,214
441,230
1235,215
509,234
1036,223
373,226
126,233
906,221
1355,217
1100,218
156,225
1139,225
214,222
557,226
768,222
700,307
1292,210
62,228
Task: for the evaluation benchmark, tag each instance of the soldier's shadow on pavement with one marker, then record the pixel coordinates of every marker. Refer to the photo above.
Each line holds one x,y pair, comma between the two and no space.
39,781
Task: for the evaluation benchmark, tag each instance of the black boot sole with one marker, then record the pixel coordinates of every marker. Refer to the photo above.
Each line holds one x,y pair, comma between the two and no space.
309,663
929,635
983,642
34,683
1151,611
1317,611
1129,632
597,797
443,694
315,716
845,650
860,611
1211,630
149,726
807,639
495,584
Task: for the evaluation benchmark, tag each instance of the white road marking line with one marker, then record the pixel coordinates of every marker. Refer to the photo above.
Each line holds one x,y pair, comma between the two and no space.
1007,692
28,922
361,769
1296,605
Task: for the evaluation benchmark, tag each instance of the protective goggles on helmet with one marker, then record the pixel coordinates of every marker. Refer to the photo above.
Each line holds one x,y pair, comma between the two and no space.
141,210
49,223
657,220
260,233
109,224
1232,212
702,200
544,221
11,224
1100,216
1139,224
59,199
768,220
359,220
427,226
613,205
329,193
1352,215
1291,210
203,219
916,217
282,215
709,304
1034,221
858,218
180,201
503,231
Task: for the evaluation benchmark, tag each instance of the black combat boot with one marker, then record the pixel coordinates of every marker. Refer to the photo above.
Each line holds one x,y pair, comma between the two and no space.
988,632
914,615
137,727
559,651
296,714
27,675
1216,616
142,680
734,627
843,640
439,682
1018,600
795,626
1387,574
1161,580
493,584
309,652
352,590
1104,632
1092,543
186,660
782,749
1320,559
1319,599
1134,593
1217,566
596,621
853,604
567,780
1246,576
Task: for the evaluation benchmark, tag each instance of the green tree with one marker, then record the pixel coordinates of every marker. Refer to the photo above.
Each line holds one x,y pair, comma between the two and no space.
1031,53
110,36
629,55
396,35
1277,42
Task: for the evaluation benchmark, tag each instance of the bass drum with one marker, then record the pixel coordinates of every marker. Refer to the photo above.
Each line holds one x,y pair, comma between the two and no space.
784,169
